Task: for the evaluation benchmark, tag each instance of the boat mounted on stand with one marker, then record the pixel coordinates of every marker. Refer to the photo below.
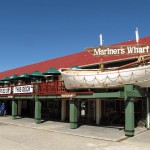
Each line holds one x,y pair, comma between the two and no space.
137,73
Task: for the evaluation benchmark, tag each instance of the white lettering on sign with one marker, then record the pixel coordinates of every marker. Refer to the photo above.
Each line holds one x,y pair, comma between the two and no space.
101,51
109,51
10,96
137,50
23,89
5,90
68,95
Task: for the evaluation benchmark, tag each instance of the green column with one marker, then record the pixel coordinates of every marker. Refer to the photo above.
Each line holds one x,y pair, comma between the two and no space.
148,112
129,111
37,110
73,114
14,109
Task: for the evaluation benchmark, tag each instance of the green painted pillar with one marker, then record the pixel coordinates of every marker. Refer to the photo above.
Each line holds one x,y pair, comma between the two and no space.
129,111
37,110
14,109
148,111
73,114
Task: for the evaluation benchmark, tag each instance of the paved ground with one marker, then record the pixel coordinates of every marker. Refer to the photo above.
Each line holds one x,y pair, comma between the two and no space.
17,137
104,133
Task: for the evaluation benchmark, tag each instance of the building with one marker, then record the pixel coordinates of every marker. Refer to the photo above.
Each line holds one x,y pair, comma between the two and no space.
28,92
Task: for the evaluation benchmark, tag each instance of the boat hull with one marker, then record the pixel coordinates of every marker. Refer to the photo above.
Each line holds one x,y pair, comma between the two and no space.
93,79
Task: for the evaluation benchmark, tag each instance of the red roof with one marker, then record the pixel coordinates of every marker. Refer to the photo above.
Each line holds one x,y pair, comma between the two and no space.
77,59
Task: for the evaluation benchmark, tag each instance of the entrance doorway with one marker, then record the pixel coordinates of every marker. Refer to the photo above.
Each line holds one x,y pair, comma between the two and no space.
112,112
51,110
27,108
87,111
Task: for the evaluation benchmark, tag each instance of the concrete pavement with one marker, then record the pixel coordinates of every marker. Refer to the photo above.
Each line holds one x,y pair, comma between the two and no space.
107,133
14,137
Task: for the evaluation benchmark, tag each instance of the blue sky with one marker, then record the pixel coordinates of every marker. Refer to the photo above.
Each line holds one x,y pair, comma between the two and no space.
32,31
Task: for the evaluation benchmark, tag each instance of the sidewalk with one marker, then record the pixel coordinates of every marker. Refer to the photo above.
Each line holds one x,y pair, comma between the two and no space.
104,133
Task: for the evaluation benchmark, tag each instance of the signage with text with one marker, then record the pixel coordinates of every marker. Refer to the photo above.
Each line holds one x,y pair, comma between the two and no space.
5,90
68,95
119,50
23,89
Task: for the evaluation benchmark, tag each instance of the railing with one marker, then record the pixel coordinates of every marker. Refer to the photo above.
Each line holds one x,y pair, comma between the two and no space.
44,88
50,88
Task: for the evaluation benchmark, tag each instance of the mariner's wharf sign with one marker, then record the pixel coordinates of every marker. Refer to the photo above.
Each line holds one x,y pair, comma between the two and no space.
23,89
119,50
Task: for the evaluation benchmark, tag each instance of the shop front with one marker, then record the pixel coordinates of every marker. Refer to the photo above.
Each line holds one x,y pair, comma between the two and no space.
109,112
51,109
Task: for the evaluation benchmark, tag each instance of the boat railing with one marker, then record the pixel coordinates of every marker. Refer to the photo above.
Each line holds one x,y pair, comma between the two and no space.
138,62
